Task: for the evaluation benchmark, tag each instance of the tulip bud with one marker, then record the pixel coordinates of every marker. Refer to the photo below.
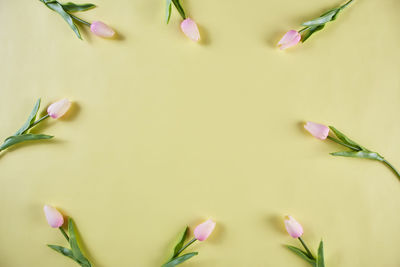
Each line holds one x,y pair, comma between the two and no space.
189,28
203,231
291,38
319,131
53,216
101,29
294,228
59,108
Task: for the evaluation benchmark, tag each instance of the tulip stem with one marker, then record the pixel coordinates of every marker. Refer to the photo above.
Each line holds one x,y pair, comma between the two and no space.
64,233
80,20
184,247
306,248
343,144
178,6
305,28
392,168
345,5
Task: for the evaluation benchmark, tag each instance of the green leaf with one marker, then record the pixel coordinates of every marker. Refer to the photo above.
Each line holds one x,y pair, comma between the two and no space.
76,251
179,7
302,254
180,259
168,9
65,251
57,7
320,258
359,154
181,241
345,139
31,119
71,7
324,18
15,139
310,31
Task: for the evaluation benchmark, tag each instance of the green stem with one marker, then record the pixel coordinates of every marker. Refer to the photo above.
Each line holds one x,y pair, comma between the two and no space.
64,233
343,144
36,122
392,168
305,28
80,20
178,6
345,5
184,247
306,248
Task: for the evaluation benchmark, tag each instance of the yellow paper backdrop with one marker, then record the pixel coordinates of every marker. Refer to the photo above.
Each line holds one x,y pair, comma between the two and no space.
165,132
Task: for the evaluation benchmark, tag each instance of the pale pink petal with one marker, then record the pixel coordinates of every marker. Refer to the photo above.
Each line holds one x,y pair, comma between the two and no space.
59,108
291,38
319,131
53,216
202,231
294,228
189,28
101,29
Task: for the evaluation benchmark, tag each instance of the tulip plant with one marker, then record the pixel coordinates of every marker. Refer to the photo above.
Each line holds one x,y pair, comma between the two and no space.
65,10
292,37
321,132
295,230
56,220
55,111
188,26
201,233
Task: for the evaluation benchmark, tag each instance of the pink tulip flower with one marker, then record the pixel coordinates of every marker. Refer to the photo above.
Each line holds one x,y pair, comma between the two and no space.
319,131
203,231
291,38
189,28
53,216
101,29
59,108
294,228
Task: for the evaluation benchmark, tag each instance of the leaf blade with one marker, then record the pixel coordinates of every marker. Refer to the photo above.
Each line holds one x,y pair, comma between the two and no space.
345,139
179,7
31,118
72,7
359,154
180,259
168,10
64,251
320,258
302,254
181,241
57,7
323,19
310,31
16,139
76,251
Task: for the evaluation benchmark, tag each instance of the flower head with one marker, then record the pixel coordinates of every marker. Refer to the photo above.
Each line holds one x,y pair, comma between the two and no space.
101,29
189,28
291,38
53,216
203,230
319,131
294,228
59,108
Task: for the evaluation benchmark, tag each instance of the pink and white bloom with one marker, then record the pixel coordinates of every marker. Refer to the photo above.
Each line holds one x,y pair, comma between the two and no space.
294,228
189,28
319,131
53,216
291,38
101,29
203,230
59,108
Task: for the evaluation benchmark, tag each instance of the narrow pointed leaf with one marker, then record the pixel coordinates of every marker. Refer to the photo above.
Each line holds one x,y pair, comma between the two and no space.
328,16
302,254
181,241
76,251
31,119
320,258
57,7
345,139
180,259
359,154
168,9
16,139
179,7
310,31
64,251
71,7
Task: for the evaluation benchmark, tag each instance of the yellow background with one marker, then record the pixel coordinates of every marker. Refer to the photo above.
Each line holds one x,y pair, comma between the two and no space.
165,132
